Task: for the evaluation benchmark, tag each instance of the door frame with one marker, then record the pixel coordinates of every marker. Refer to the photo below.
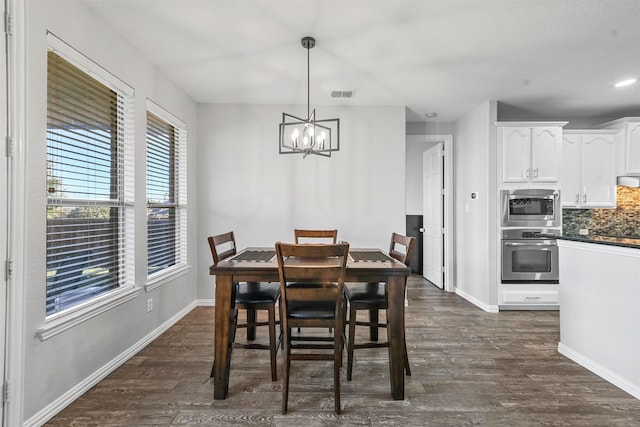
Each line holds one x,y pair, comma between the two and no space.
4,222
14,52
449,231
427,226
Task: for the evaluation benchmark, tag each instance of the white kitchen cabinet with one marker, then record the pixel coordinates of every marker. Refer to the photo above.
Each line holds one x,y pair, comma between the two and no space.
528,296
629,144
530,152
588,169
599,317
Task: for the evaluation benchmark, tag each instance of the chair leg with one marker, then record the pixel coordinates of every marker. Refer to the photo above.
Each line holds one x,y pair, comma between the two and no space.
374,319
287,368
273,342
251,324
407,369
281,342
351,341
336,371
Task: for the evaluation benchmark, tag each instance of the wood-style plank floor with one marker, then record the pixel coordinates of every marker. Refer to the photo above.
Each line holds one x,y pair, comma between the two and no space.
469,368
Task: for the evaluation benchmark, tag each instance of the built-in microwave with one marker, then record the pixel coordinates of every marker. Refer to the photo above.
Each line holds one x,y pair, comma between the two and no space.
531,208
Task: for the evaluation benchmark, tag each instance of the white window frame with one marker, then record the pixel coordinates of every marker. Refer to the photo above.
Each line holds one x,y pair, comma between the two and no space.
180,267
127,290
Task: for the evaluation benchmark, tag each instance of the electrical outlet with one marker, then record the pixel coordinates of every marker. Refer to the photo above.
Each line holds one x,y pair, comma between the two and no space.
149,304
584,232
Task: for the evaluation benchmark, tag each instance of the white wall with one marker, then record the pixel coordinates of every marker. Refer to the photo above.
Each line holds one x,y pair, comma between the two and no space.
55,366
247,187
475,171
430,128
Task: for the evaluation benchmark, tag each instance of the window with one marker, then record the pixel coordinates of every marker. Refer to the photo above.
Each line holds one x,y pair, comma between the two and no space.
89,181
166,192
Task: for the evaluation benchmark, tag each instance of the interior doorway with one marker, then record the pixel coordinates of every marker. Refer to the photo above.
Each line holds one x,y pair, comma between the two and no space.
433,214
416,146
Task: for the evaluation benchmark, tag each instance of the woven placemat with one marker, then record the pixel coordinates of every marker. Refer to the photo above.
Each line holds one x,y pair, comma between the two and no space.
369,256
254,256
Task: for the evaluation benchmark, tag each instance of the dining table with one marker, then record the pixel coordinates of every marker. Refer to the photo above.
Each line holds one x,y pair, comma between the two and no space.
259,264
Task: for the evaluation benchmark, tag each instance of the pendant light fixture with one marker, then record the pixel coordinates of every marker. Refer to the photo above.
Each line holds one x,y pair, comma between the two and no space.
310,135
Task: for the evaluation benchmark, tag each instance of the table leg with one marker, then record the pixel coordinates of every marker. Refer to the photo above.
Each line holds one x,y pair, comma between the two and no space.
223,330
395,331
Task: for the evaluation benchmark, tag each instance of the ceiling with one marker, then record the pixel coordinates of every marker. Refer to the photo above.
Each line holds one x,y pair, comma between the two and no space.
542,59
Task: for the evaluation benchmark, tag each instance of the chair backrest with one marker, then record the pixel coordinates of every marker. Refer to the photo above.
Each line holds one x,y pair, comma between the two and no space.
315,236
222,246
401,247
323,264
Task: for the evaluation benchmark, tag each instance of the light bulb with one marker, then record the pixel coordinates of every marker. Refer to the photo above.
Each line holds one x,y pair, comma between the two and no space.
323,136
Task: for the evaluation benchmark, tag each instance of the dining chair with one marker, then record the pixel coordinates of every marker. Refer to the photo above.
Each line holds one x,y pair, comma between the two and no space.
250,296
373,298
302,267
315,236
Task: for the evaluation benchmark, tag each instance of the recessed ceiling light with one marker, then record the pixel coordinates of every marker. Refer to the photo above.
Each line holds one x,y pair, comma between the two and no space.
627,82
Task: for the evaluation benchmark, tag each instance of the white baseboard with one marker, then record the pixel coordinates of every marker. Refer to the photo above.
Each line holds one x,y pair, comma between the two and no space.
67,398
601,371
205,302
473,300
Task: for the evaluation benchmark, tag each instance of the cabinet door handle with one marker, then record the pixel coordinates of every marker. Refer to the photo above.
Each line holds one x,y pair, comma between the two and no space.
528,173
584,198
577,197
535,173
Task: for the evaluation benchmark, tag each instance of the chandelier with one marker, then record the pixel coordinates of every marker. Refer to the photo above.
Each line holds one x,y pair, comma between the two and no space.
310,135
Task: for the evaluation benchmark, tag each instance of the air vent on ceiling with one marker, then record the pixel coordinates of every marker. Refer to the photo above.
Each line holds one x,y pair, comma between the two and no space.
342,94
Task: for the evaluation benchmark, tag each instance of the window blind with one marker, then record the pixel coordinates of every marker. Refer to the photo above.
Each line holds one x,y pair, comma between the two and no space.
89,186
166,193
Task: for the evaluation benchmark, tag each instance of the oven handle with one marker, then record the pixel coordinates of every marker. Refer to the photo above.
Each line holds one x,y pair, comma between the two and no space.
547,243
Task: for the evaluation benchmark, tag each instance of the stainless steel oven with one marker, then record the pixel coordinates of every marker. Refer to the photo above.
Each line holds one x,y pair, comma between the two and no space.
531,208
529,256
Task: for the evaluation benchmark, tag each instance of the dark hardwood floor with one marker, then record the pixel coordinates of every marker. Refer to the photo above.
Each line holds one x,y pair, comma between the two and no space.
469,368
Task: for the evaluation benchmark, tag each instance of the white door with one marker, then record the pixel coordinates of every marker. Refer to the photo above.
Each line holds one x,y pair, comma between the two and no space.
433,214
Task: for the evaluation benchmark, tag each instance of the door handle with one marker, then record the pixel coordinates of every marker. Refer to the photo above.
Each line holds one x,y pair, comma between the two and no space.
421,229
543,243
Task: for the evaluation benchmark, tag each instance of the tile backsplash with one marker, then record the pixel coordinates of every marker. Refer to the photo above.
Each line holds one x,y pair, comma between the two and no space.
623,220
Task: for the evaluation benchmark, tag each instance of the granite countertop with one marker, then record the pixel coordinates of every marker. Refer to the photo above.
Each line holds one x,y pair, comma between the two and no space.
627,242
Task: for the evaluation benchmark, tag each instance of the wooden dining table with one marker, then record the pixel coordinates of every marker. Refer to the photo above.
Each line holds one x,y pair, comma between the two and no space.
258,264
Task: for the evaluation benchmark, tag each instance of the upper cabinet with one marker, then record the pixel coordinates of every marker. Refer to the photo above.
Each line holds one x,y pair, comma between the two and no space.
628,144
530,152
588,169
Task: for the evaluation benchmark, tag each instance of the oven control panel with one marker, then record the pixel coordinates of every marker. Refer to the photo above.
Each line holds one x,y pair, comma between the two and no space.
530,233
